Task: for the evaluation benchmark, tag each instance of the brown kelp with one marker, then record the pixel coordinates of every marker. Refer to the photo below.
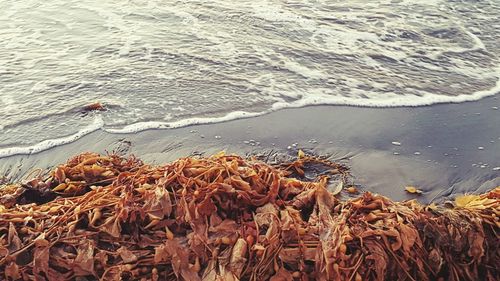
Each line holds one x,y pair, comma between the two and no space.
106,217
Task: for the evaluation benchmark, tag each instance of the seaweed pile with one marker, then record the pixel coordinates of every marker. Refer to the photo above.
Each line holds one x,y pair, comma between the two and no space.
105,217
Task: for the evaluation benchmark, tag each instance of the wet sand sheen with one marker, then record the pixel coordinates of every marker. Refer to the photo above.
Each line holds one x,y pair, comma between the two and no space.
442,149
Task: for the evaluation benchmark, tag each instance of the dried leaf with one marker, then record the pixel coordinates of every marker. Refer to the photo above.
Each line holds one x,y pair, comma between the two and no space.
238,257
473,201
59,174
463,200
126,255
60,187
301,154
41,258
352,189
158,204
13,241
112,226
338,188
12,271
282,275
413,190
84,261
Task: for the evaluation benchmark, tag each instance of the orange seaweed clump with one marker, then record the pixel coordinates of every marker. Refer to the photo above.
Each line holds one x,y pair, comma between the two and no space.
94,107
106,217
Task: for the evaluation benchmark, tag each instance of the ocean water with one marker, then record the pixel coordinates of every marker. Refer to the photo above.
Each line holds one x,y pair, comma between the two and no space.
161,64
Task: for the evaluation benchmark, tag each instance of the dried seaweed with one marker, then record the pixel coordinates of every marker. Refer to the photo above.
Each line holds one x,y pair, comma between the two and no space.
105,217
93,107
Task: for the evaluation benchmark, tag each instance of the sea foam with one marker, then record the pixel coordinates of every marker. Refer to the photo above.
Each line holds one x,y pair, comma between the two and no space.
50,143
179,63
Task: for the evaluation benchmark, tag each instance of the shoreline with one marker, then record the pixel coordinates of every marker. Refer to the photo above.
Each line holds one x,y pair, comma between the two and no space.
445,149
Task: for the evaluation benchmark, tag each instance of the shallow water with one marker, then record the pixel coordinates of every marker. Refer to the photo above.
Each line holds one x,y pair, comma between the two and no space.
438,147
158,64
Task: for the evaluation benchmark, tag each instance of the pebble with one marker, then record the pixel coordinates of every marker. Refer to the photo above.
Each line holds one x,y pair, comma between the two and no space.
289,147
496,169
252,142
202,136
218,137
396,153
417,153
330,142
480,148
396,143
495,108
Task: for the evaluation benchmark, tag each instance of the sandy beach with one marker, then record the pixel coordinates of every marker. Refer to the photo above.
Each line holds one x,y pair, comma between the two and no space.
442,149
249,140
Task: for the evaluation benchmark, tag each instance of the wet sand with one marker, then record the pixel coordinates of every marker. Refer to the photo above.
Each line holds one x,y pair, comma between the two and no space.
442,149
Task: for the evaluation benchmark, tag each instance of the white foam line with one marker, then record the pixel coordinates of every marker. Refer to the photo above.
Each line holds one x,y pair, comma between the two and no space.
141,126
316,99
47,144
398,101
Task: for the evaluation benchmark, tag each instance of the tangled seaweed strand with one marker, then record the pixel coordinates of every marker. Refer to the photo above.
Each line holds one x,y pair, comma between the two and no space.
228,218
